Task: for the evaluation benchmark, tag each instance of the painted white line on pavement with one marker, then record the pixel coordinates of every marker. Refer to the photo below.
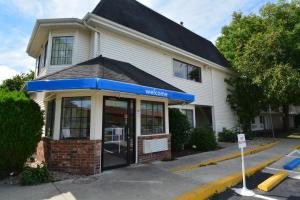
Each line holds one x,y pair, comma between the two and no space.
294,152
263,197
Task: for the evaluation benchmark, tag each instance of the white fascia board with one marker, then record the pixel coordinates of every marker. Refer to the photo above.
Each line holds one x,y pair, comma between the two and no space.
48,23
150,40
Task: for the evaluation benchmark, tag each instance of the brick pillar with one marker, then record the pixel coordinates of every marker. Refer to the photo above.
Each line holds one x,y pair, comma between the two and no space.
71,156
149,157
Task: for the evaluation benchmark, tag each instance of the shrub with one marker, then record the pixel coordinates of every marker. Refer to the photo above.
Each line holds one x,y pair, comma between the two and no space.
203,139
34,176
228,135
179,128
250,135
21,121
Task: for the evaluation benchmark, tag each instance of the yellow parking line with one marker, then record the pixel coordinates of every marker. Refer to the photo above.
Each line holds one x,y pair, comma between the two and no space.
274,180
223,158
295,147
205,191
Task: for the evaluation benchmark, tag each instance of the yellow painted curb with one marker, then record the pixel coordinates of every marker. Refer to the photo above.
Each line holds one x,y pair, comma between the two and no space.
295,136
274,180
295,147
205,191
223,158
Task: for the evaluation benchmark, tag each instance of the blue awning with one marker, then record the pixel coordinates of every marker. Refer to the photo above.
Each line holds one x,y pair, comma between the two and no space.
105,84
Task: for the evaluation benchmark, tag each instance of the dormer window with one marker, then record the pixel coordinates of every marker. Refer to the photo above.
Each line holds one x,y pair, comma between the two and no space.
62,50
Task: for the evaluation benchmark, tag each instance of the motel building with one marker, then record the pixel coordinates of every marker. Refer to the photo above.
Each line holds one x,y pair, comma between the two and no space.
106,83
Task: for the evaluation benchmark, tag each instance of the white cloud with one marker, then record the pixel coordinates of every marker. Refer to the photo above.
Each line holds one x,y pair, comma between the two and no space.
13,52
61,8
205,17
6,72
150,3
54,8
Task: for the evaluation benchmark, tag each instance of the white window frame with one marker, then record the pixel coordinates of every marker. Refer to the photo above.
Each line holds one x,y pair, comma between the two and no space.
74,50
187,79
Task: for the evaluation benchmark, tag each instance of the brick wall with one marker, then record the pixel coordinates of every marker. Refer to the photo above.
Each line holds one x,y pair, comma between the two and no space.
72,156
144,158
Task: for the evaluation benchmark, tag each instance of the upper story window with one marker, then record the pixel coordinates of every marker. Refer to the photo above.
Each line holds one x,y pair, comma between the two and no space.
45,53
187,71
62,50
38,65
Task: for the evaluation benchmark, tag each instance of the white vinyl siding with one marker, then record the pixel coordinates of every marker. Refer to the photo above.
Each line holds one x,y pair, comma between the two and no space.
222,113
212,91
156,62
81,48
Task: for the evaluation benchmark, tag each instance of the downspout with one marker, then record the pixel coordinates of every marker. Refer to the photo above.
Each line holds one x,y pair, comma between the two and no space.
95,30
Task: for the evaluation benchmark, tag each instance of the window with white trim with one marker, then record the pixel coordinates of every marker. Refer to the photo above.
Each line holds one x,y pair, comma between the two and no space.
76,117
45,53
190,115
152,117
38,65
50,116
62,50
187,71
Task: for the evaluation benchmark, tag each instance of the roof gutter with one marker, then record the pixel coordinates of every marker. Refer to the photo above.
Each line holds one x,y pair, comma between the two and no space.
145,38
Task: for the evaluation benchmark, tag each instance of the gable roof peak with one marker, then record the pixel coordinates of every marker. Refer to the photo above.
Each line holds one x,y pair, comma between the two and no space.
134,15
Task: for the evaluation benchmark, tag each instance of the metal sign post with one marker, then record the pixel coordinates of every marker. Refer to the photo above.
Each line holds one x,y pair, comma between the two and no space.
243,191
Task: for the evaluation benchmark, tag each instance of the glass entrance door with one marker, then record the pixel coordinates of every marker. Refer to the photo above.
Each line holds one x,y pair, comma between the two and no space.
118,132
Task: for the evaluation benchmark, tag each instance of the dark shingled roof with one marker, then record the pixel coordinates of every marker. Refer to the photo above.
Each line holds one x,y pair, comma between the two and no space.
135,15
106,68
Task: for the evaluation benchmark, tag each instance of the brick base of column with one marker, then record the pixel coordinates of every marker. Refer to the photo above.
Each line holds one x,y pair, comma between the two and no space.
71,156
149,157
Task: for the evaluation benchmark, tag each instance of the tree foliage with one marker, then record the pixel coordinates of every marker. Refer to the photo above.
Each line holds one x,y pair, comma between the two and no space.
17,82
246,99
21,121
179,129
264,49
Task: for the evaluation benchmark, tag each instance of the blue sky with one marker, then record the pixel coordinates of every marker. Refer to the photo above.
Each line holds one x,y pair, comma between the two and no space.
17,18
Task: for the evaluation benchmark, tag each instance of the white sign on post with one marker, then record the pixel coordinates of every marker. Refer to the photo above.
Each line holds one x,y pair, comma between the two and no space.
242,141
243,191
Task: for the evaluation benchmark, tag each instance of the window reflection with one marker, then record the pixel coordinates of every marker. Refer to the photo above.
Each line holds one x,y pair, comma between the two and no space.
186,71
76,113
152,117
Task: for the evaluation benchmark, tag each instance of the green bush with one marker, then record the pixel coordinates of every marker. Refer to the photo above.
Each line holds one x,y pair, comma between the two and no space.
249,135
228,135
21,121
179,128
203,139
34,176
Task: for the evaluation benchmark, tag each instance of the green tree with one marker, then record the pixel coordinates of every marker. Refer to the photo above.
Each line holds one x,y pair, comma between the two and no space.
21,121
265,48
180,129
246,99
17,83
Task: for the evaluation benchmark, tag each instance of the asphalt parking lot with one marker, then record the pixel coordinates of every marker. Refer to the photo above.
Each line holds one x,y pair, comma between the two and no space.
158,181
289,189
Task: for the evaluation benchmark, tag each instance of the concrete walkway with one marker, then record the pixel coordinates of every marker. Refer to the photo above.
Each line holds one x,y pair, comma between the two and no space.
152,181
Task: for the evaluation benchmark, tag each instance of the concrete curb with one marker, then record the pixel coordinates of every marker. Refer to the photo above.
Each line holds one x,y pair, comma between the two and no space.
205,191
271,182
225,157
